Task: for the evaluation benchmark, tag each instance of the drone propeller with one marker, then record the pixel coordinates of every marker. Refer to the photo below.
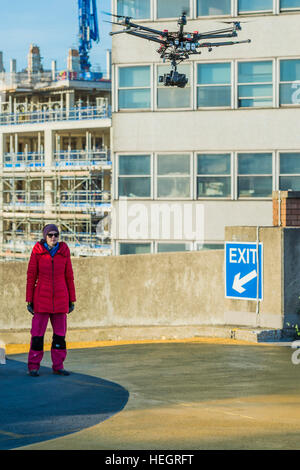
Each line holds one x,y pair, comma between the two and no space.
235,22
117,16
112,22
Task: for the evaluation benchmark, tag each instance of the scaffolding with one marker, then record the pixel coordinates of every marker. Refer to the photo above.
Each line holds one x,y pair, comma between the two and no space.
50,174
78,200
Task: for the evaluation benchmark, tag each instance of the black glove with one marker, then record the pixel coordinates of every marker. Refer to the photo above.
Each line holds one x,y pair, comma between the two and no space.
30,308
71,307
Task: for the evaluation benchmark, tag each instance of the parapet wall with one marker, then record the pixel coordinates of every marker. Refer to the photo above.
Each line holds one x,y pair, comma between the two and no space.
171,289
160,289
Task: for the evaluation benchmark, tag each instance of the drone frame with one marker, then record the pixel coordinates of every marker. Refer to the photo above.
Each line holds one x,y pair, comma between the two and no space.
179,46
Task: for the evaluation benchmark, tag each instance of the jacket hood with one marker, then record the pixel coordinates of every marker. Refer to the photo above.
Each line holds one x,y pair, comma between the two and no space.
40,249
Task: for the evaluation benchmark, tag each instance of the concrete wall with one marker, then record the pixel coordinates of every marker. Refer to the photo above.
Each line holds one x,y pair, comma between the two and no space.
260,31
291,272
171,289
162,289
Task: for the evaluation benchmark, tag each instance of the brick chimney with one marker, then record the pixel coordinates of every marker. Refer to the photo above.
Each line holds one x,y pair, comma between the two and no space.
286,208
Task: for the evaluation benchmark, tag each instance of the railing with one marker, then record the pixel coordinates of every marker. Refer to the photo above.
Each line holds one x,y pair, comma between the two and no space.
81,158
80,244
42,79
60,159
24,79
21,198
21,159
72,114
80,198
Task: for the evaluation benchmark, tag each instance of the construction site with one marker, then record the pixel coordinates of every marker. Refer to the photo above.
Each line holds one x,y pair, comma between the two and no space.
55,163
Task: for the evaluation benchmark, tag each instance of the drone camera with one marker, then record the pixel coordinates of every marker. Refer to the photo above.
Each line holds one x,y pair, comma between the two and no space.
173,79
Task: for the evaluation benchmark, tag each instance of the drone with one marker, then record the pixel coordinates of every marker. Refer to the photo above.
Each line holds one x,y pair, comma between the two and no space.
178,46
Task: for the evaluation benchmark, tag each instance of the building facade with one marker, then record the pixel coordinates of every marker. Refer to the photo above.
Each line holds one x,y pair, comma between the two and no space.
55,163
188,162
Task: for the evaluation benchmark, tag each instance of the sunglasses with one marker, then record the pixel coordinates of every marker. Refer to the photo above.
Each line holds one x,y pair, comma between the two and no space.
50,235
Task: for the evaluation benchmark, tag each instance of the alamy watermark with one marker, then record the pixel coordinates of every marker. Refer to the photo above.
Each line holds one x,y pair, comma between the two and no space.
295,98
160,220
296,354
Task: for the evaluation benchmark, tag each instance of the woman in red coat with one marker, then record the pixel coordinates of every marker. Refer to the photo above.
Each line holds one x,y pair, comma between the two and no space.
50,293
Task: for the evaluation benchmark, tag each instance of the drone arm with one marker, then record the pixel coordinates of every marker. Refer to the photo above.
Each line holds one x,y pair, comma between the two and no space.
112,33
216,36
231,30
145,36
144,28
217,44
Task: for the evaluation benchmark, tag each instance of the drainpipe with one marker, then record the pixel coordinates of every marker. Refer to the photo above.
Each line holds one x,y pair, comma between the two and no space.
279,208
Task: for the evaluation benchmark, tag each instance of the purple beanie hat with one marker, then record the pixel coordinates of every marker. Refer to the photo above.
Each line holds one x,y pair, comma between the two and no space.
49,228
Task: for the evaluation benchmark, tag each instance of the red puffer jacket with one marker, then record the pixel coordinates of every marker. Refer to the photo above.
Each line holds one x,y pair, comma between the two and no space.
50,281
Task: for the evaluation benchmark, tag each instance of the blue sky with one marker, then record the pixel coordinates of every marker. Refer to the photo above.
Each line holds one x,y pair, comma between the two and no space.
53,26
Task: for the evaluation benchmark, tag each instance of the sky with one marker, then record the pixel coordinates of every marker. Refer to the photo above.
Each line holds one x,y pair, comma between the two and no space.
53,26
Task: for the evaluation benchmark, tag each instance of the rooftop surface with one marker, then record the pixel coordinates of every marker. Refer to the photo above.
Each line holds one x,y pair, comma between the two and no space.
193,394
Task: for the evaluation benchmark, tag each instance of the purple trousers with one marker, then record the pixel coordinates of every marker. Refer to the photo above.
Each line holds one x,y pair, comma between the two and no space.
58,346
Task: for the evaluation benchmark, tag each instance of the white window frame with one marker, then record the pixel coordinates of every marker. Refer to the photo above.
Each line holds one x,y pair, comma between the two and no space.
209,242
155,10
286,10
274,84
115,10
156,87
134,242
156,176
294,105
231,176
228,15
173,242
128,110
194,13
232,84
255,12
278,167
235,12
237,175
194,86
117,176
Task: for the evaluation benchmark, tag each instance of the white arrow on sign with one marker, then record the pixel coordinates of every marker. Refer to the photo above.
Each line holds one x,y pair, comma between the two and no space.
239,282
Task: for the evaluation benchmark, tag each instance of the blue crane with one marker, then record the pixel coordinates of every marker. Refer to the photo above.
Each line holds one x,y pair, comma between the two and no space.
88,31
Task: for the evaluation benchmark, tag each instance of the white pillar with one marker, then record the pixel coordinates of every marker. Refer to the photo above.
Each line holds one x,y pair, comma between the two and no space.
49,146
48,197
2,140
48,139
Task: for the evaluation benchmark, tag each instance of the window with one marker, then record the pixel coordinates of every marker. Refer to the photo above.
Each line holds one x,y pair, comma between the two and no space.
135,8
134,248
173,97
289,4
254,175
172,8
134,87
134,176
213,7
213,175
214,85
289,177
289,87
171,247
245,6
210,246
255,86
173,176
